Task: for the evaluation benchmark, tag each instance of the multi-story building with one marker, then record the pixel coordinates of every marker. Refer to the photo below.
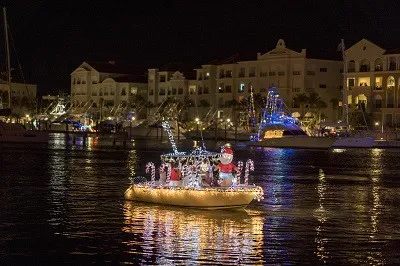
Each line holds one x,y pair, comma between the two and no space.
172,81
373,80
23,96
291,72
104,89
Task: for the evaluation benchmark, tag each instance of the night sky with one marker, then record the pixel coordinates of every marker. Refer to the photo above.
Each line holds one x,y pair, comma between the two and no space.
53,37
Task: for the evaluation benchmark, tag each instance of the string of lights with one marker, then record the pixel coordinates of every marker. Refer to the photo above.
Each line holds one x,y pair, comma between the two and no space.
169,169
240,167
150,166
167,128
251,107
249,167
258,191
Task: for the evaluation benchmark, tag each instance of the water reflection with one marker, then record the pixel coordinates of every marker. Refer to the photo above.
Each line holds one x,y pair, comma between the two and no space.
321,214
187,236
57,169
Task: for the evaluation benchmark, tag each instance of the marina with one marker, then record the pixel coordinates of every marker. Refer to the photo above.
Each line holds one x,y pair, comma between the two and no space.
182,133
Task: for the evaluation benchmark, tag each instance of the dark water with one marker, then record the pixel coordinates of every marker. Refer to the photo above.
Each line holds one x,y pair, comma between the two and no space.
64,205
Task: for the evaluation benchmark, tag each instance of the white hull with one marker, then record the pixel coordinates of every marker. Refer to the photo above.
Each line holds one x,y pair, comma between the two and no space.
209,197
210,135
25,137
354,142
14,133
143,131
299,142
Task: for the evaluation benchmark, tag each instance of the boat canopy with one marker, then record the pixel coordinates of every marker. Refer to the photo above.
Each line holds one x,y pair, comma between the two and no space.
197,154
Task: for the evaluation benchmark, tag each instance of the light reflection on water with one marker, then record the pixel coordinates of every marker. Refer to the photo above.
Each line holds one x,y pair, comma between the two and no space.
188,236
319,207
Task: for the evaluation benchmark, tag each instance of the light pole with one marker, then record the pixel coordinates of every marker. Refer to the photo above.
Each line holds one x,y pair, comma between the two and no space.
197,126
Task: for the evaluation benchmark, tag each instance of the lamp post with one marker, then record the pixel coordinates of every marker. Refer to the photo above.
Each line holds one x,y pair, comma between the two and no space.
197,126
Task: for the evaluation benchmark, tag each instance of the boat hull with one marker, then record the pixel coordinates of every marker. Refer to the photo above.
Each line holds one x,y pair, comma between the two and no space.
299,142
354,142
25,137
208,198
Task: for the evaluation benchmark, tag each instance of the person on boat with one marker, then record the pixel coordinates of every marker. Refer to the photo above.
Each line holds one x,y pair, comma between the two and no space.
163,174
226,167
205,173
175,175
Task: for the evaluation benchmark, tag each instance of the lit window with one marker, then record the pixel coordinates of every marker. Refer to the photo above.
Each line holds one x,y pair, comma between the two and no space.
241,87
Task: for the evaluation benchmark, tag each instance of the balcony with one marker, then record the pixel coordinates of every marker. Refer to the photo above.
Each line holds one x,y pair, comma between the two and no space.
377,88
364,68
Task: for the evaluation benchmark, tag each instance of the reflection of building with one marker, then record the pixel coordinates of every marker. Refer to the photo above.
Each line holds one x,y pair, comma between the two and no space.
105,87
191,236
373,80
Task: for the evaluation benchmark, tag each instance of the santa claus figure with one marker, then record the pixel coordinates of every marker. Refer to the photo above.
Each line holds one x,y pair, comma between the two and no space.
226,167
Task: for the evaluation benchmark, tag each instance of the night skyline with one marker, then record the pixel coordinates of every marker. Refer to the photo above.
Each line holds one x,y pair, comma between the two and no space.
52,39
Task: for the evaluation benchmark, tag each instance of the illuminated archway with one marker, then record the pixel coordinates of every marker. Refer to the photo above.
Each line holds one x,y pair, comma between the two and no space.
378,101
391,83
361,101
296,114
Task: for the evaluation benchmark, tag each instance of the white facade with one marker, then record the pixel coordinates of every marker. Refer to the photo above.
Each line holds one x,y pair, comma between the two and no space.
103,87
21,94
292,72
373,79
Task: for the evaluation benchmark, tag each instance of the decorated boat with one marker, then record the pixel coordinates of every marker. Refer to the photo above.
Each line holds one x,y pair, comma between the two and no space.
197,185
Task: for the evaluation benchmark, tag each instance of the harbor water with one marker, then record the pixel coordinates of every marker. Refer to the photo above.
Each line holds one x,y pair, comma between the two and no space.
62,203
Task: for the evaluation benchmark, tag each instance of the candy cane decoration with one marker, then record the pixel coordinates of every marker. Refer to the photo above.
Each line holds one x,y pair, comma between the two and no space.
249,167
169,172
239,173
151,166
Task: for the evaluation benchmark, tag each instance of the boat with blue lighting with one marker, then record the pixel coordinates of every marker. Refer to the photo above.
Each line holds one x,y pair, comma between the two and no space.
278,129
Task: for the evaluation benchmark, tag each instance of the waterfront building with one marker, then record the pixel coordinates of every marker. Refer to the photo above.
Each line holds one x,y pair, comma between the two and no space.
23,97
373,81
105,88
292,72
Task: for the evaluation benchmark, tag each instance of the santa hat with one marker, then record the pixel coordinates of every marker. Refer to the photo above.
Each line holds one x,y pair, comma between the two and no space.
228,151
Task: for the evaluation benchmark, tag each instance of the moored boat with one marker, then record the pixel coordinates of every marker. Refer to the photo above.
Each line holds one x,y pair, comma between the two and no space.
15,133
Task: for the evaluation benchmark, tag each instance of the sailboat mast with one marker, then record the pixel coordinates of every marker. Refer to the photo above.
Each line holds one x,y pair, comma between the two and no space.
8,57
345,92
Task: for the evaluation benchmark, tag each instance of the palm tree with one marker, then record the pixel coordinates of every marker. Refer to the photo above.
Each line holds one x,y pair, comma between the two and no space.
313,99
316,104
301,99
232,104
320,104
335,104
